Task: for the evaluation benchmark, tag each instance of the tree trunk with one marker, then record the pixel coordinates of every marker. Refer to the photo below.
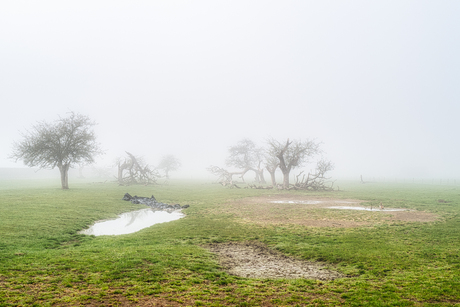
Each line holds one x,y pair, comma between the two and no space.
261,176
64,169
286,180
257,176
272,175
285,169
120,174
121,168
242,174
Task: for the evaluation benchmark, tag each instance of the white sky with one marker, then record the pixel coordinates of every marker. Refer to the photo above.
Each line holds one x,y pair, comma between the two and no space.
376,81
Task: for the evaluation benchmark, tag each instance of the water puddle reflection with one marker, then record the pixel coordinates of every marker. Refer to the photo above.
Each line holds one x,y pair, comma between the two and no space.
307,202
365,209
130,222
311,202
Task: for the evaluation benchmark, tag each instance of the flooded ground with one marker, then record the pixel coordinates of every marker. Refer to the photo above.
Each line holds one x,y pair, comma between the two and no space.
130,222
311,202
307,202
366,209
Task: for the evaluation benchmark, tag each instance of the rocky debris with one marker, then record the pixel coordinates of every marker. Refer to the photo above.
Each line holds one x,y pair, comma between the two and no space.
153,203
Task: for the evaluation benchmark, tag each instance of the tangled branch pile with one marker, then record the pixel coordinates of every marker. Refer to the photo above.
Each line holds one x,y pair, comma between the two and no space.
225,177
135,171
316,181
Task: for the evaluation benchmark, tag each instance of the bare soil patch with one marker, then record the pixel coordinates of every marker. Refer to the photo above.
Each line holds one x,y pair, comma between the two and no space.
255,260
314,211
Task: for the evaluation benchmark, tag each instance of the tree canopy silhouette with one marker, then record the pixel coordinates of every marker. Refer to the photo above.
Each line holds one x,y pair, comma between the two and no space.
64,143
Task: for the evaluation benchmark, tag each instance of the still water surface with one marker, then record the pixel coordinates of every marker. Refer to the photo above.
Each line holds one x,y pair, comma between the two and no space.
310,202
366,209
130,222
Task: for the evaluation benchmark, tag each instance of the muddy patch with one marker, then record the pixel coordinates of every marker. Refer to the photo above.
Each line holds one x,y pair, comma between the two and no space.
313,211
255,260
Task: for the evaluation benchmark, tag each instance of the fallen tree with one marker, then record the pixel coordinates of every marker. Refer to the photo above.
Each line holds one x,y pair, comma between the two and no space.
260,187
133,170
315,181
225,177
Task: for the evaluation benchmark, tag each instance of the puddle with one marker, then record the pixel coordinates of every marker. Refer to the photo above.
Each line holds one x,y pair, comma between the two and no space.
308,202
311,202
365,209
334,201
130,222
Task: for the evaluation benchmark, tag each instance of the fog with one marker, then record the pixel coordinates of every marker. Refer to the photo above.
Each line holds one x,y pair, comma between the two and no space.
375,81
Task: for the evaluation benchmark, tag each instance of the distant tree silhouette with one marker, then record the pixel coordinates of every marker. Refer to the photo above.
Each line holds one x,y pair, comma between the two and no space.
64,143
169,163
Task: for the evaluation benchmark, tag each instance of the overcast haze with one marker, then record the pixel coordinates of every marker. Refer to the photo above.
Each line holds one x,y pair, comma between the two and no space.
376,81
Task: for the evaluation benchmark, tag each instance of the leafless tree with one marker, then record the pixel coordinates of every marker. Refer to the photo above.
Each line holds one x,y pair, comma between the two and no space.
292,154
169,163
64,143
246,156
133,170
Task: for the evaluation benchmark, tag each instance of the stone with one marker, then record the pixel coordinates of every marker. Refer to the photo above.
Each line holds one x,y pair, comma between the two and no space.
127,197
153,203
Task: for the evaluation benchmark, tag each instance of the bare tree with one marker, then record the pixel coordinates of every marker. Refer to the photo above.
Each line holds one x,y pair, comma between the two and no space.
133,170
66,142
245,155
169,163
292,154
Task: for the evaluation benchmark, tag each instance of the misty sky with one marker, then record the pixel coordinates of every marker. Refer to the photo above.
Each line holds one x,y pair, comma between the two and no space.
376,81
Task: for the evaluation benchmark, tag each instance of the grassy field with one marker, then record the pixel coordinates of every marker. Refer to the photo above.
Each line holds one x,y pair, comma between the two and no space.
45,262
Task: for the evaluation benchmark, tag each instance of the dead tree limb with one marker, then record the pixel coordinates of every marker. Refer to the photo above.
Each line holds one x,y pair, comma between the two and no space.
225,177
135,171
317,180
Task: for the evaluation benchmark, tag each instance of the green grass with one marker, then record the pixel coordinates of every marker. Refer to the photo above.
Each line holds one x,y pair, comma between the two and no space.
44,261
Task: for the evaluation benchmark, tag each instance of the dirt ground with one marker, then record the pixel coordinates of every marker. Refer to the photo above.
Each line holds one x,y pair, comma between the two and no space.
254,260
314,211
